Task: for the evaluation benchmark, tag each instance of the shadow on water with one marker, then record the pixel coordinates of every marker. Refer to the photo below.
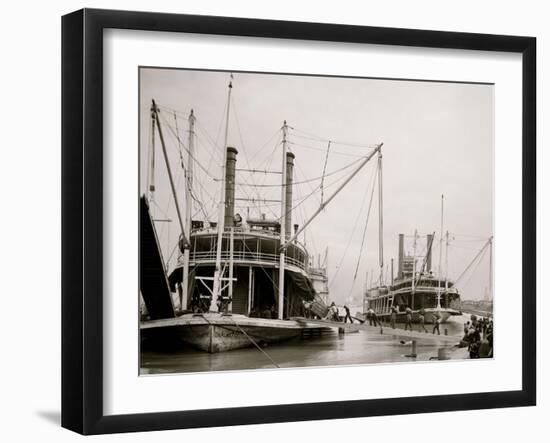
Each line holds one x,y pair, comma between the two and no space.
328,350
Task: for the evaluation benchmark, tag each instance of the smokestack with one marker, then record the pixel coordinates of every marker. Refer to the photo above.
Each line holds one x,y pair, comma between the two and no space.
230,186
429,253
400,257
288,181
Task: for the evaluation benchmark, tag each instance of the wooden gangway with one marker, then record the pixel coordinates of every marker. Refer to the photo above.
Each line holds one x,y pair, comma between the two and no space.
384,330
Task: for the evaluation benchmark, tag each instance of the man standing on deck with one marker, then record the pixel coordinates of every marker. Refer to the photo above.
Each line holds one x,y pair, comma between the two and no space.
393,316
307,308
437,321
409,318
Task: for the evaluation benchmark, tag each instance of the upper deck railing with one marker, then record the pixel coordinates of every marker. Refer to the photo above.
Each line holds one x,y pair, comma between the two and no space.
249,246
244,256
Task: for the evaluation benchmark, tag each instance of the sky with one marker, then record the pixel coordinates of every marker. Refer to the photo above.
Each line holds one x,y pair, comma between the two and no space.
438,139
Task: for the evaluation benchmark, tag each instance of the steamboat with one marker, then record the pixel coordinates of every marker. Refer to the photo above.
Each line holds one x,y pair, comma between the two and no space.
419,290
415,287
238,282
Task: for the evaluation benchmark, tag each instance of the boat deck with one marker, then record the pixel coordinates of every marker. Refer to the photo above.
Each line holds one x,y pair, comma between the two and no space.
416,335
296,323
217,319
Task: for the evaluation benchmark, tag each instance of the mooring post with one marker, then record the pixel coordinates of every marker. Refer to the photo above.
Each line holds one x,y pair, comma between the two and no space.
446,331
413,349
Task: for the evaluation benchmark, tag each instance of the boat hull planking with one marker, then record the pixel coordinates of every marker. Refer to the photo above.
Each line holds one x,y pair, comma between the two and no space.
214,332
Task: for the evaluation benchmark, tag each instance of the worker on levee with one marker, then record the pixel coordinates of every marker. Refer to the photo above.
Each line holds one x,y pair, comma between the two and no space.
408,318
393,316
422,320
348,315
332,313
373,318
437,321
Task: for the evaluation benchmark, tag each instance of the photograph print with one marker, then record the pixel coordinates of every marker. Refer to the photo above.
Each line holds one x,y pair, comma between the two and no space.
291,221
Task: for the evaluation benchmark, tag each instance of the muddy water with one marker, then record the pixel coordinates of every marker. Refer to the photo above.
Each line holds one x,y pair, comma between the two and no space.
329,350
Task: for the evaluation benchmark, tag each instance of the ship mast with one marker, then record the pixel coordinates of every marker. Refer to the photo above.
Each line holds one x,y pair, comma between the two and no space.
380,220
216,292
283,227
156,118
413,283
151,177
188,207
440,251
446,262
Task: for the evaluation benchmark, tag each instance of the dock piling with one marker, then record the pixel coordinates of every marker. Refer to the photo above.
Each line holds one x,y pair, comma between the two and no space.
413,350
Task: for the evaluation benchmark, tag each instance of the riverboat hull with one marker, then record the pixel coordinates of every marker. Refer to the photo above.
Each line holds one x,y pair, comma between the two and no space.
215,332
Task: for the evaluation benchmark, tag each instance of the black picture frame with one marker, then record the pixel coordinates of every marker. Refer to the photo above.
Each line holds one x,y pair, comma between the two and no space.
82,220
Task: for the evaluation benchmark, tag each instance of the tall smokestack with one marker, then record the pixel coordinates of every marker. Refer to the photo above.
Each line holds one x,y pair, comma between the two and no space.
400,257
288,198
429,242
230,186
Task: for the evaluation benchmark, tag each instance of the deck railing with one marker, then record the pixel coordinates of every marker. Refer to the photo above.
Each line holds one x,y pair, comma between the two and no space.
248,256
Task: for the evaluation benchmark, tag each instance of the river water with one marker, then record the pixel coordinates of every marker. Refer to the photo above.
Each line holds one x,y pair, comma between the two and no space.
328,350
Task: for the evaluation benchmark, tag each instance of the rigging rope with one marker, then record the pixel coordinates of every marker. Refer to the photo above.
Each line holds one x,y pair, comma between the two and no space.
301,145
321,177
313,137
364,232
309,195
268,142
365,229
199,164
180,144
254,343
331,280
482,251
235,114
324,172
481,257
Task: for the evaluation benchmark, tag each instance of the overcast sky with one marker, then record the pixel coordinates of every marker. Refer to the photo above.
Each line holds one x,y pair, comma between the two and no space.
438,139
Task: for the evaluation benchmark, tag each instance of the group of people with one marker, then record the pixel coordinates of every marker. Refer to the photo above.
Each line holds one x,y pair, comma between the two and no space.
478,336
375,321
333,314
